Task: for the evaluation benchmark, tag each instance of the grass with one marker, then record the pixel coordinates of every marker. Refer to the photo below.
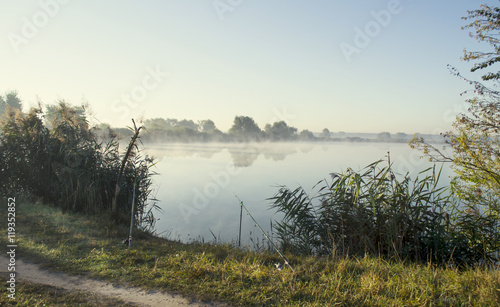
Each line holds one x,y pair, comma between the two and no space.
91,246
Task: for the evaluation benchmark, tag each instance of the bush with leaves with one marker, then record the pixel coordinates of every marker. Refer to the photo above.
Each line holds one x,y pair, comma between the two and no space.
475,144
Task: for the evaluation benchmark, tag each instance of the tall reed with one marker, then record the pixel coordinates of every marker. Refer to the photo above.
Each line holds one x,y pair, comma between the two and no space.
368,212
57,157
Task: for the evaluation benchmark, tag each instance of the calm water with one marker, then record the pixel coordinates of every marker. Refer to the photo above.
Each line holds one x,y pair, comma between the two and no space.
198,183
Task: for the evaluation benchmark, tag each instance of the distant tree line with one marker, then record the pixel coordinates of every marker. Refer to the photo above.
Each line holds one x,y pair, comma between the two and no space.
244,129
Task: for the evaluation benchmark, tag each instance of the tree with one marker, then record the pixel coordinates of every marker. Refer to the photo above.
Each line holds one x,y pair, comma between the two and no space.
245,128
306,135
156,124
206,126
3,106
188,124
475,142
486,24
11,99
280,131
104,132
401,136
325,133
171,122
384,136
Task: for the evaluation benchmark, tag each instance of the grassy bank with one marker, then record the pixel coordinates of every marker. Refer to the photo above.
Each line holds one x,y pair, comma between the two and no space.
92,246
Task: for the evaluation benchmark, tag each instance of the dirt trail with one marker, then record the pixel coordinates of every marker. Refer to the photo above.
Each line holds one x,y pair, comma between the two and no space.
32,273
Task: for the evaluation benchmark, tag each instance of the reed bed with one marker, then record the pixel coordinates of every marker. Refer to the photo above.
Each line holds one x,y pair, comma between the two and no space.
57,157
380,213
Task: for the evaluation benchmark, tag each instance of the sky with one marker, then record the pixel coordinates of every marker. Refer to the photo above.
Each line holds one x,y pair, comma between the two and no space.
353,66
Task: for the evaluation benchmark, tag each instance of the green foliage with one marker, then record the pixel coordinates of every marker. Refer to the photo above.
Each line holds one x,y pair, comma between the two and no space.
370,212
326,134
173,130
67,165
306,135
206,126
245,128
475,146
280,131
486,24
10,101
373,212
3,106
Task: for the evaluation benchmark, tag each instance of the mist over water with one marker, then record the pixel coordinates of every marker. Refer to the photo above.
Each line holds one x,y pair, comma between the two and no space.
199,184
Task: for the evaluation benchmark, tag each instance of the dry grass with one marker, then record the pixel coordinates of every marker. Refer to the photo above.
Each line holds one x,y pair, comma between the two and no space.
92,246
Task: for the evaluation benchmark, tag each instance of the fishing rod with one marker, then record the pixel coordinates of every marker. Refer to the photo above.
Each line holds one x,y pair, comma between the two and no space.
132,213
239,236
265,235
132,217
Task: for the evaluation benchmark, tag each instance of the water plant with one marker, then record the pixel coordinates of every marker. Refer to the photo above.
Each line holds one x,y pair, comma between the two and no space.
374,211
56,156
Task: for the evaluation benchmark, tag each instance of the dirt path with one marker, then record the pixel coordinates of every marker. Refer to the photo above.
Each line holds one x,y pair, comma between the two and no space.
32,273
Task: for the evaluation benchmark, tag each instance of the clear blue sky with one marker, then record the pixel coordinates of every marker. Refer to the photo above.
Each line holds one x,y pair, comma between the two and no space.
271,60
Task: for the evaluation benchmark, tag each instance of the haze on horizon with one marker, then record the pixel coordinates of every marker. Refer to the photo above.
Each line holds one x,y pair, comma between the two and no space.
365,66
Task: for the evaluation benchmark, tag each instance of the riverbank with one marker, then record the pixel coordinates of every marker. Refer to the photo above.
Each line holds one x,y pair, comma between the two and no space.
92,247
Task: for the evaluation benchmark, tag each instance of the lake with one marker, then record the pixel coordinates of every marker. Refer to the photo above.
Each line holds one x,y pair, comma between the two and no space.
199,185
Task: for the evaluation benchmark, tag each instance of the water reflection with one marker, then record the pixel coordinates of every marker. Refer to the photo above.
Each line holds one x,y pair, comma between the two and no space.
198,182
242,155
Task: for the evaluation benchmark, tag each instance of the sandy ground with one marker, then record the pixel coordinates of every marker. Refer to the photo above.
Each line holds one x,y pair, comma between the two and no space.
32,273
